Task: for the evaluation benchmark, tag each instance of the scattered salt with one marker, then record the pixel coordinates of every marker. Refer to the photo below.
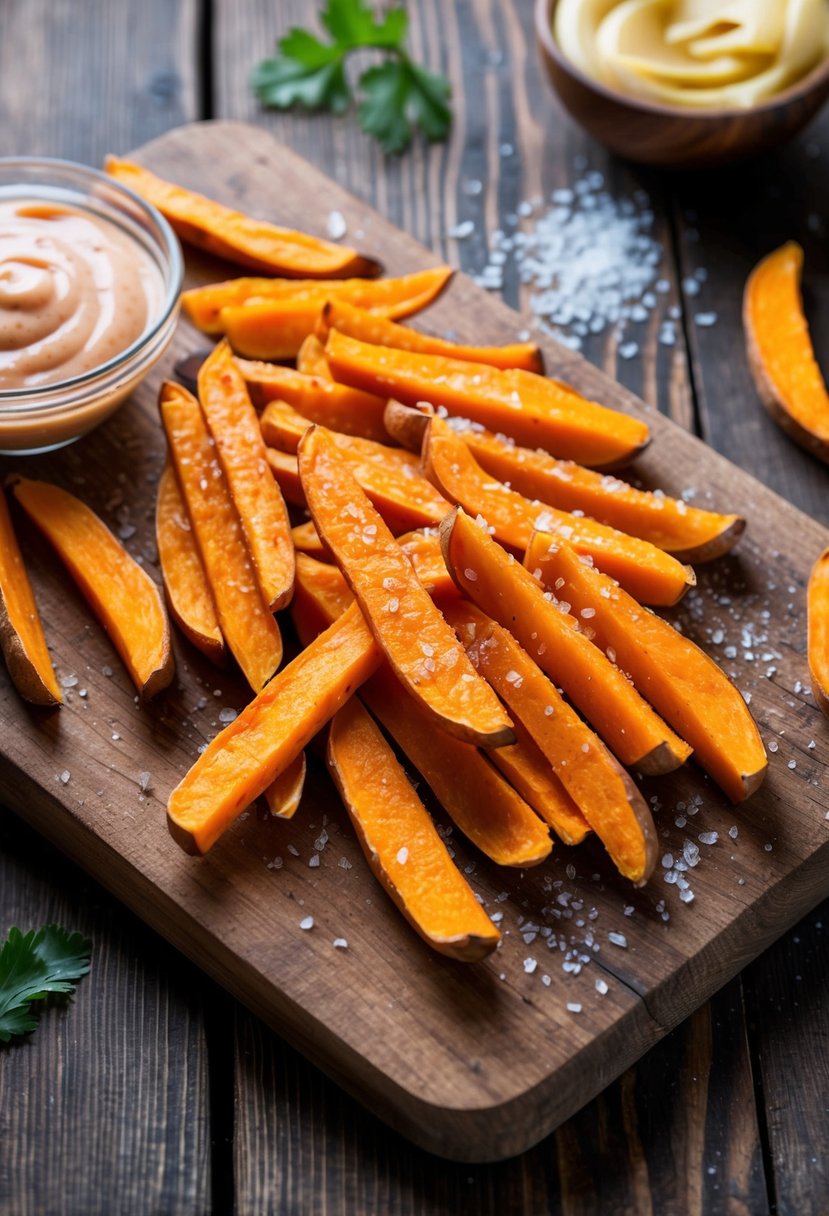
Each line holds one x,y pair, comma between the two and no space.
307,922
344,863
227,715
601,987
402,856
144,780
459,232
708,837
314,861
573,1007
617,939
336,225
530,965
63,777
340,943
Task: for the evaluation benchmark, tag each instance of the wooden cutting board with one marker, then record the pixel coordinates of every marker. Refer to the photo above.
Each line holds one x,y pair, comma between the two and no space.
472,1062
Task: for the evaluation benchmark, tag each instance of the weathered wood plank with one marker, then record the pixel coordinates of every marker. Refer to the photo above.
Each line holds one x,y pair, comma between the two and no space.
105,1107
79,80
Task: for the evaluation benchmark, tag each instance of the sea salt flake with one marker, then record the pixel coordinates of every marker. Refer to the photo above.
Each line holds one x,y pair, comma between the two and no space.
573,1007
708,837
314,861
336,225
530,965
344,864
307,922
227,715
617,939
340,943
144,781
402,856
601,987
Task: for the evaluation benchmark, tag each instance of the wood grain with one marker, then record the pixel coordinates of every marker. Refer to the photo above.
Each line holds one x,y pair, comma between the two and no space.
105,1107
469,1064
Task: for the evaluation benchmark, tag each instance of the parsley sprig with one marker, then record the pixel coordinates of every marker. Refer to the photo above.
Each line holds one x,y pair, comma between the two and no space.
33,965
393,97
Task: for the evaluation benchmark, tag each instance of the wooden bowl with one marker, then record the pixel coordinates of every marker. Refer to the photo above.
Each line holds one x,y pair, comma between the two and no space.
670,136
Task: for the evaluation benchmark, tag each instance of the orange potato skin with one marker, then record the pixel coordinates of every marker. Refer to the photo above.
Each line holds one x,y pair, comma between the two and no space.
21,631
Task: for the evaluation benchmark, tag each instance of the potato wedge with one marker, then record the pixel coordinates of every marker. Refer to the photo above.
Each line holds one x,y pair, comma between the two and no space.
419,645
530,408
122,596
400,842
651,576
317,398
678,679
817,629
393,297
265,739
189,597
500,586
235,429
599,787
780,351
379,329
21,631
249,629
240,238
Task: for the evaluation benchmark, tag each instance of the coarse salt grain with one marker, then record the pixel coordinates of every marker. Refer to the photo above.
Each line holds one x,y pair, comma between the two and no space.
402,856
530,965
573,1007
307,922
340,943
617,939
601,987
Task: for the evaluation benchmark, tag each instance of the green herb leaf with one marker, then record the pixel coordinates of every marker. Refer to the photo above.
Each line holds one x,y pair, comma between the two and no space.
352,23
34,965
397,96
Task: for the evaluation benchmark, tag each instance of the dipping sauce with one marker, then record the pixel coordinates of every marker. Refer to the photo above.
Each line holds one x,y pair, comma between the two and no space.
700,54
75,290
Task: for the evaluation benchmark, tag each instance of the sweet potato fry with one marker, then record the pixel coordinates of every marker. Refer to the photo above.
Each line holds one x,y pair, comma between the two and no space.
316,398
307,540
267,736
489,811
780,351
311,360
401,844
416,640
531,409
122,596
284,793
322,595
240,238
688,533
189,597
651,575
235,429
817,630
380,330
21,632
494,581
392,481
393,297
470,789
681,682
530,773
600,788
269,329
247,625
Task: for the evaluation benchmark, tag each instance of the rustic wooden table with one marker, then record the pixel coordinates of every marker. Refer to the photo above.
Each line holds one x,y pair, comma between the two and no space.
155,1092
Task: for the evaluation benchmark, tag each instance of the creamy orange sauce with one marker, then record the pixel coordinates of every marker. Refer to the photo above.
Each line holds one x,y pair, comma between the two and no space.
75,290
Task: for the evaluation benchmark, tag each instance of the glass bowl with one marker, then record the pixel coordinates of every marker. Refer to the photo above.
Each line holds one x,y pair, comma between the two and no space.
49,416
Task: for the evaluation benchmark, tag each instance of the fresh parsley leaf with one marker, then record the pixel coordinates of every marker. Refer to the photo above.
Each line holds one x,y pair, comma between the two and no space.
32,965
395,96
352,23
283,83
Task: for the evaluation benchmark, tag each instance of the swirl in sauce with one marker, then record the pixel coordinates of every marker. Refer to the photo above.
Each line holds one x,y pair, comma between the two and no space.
75,290
695,53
